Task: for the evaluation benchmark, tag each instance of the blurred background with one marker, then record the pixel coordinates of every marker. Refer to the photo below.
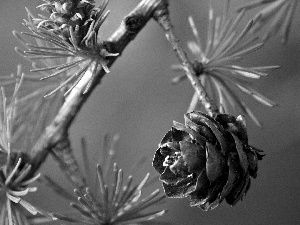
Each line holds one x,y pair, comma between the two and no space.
138,102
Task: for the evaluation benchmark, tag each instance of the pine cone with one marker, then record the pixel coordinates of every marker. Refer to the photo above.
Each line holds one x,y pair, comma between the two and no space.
207,159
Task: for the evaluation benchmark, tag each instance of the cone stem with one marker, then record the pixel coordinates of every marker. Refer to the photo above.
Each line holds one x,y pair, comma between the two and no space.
163,18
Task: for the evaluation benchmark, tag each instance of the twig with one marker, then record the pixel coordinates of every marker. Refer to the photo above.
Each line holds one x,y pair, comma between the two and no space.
163,18
62,152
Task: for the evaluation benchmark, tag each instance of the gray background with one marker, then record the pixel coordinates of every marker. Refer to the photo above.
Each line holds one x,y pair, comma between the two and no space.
137,101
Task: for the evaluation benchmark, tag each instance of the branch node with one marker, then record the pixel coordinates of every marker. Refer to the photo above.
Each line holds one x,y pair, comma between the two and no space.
134,23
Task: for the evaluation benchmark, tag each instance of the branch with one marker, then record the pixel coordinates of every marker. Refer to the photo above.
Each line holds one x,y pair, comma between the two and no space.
162,16
57,131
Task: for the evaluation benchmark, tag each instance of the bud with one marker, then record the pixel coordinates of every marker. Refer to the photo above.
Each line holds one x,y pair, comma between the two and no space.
207,159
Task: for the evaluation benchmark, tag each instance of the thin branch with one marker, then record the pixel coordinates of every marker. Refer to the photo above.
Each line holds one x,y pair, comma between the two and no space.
163,18
63,154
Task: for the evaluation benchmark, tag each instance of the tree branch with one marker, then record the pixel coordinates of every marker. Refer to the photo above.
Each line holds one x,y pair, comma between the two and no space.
57,131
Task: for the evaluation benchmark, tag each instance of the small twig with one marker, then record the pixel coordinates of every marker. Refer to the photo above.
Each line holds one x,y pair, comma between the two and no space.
63,154
162,16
